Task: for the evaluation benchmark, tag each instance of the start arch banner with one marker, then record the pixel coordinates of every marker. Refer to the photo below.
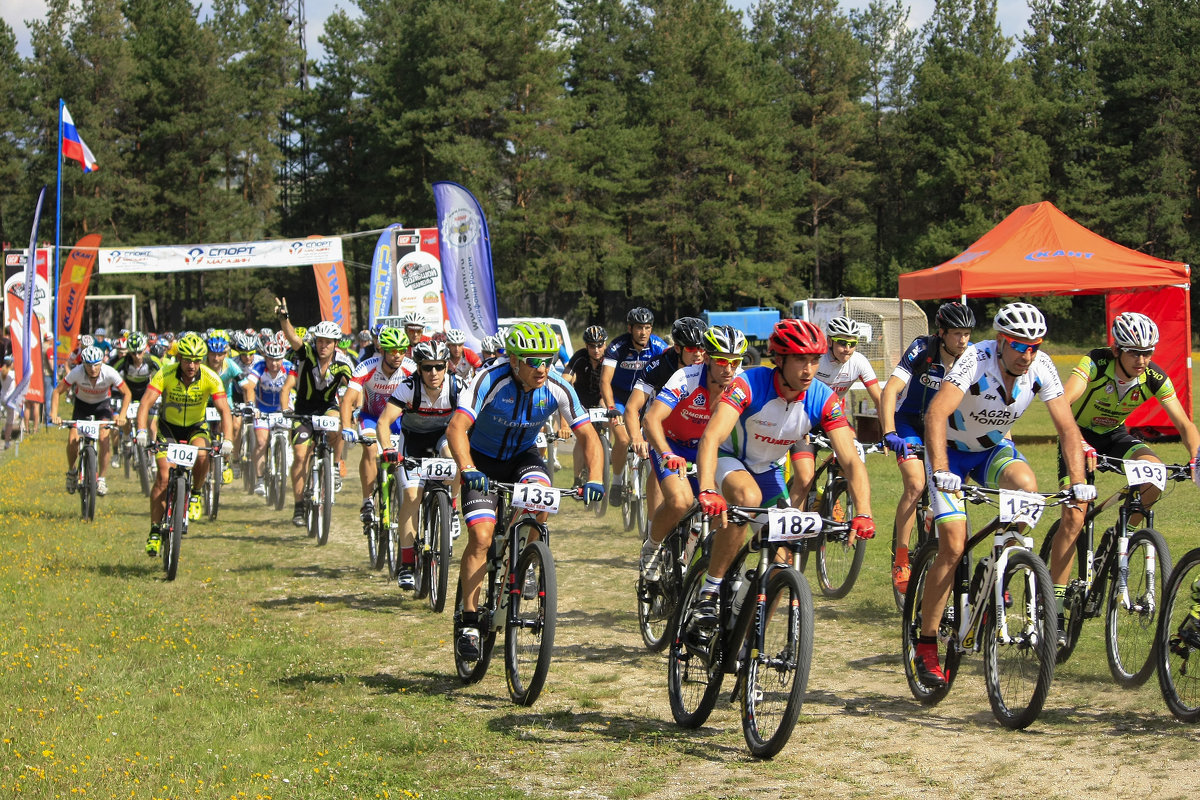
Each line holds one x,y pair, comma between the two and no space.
228,255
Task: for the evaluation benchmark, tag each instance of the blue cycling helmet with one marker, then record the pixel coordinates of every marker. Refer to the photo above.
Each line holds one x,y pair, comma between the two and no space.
217,344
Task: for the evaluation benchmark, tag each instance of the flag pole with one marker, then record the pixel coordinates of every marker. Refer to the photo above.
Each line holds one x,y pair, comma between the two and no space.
57,242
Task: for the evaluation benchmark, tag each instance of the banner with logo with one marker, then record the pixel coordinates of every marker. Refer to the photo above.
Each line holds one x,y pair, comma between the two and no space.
232,255
381,276
15,320
72,289
417,282
333,293
466,252
24,330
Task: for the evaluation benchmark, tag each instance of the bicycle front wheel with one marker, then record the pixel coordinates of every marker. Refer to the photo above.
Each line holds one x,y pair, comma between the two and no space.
838,561
630,499
529,633
395,495
1179,640
216,475
1020,641
143,469
777,675
1132,618
178,520
87,487
643,513
437,544
279,472
325,504
694,673
910,629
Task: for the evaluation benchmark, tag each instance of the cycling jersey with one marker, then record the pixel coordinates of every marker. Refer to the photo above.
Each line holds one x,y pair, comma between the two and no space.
628,361
94,391
466,365
229,373
658,372
921,360
686,394
507,418
840,377
422,413
587,378
376,387
1101,408
183,406
768,424
986,412
268,388
137,376
237,392
316,391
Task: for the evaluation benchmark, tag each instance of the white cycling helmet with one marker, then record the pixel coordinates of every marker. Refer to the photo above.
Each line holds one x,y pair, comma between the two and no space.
326,330
1135,331
91,355
842,326
1020,321
412,320
455,336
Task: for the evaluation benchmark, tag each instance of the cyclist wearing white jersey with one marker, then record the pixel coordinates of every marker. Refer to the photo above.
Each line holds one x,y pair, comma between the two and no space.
93,382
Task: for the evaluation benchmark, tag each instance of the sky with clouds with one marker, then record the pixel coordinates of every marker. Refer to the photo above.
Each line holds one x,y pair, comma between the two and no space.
1013,15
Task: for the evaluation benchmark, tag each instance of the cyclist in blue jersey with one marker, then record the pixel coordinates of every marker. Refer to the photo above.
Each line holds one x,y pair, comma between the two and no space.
624,361
492,437
263,389
902,414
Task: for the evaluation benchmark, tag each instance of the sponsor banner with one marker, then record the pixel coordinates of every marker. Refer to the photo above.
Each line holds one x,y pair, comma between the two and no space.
333,293
24,329
381,276
15,320
466,254
231,255
417,283
72,289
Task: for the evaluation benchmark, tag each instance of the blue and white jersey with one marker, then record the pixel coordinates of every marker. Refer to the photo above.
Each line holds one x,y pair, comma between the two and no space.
506,419
922,358
628,362
768,424
986,412
268,389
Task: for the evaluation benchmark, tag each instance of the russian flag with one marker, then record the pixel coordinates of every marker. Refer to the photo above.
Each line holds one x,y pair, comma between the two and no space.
73,146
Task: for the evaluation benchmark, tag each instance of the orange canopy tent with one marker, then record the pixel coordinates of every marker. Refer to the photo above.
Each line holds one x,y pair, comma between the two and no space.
1037,249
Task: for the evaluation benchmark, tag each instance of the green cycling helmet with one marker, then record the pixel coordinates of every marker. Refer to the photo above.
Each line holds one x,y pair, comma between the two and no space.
191,347
531,338
393,339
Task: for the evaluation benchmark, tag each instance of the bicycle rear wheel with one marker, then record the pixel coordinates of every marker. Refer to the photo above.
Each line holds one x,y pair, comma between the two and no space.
694,674
1130,629
910,629
1073,603
127,458
87,486
529,628
657,600
777,675
1019,667
838,562
177,515
325,515
921,533
1178,677
438,547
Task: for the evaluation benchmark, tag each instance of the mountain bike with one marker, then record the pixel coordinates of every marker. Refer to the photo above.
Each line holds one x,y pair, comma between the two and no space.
432,543
923,529
182,458
275,461
1125,574
636,475
1005,608
658,595
377,526
766,642
838,561
210,491
245,454
87,463
1178,639
318,485
519,592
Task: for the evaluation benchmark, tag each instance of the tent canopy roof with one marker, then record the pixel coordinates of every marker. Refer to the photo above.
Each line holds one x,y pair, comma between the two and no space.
1038,249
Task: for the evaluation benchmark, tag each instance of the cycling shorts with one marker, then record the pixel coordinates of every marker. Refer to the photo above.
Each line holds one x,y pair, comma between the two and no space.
984,467
526,467
420,445
770,481
910,434
368,425
101,410
302,429
184,433
1117,443
681,450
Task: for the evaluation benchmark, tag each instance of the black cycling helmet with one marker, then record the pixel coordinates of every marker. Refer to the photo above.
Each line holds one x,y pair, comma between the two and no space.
954,315
595,334
640,316
688,331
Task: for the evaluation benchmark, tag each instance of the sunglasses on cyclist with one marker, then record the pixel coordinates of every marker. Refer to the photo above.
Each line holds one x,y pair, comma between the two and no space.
1022,347
846,342
693,349
432,367
1141,353
724,361
537,362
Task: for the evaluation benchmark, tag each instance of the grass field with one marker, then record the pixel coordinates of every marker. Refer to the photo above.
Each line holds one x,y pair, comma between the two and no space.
275,669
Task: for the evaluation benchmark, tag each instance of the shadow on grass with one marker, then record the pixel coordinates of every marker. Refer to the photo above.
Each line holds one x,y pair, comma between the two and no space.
151,566
548,727
355,602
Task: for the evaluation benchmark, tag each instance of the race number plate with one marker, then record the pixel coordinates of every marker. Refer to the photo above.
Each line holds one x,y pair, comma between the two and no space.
438,469
1138,472
325,423
88,429
540,439
131,412
275,420
183,455
535,497
862,451
212,415
1021,507
791,525
598,414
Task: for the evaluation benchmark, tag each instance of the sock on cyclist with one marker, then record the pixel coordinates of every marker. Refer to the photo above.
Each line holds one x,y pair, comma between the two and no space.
711,584
1060,595
408,556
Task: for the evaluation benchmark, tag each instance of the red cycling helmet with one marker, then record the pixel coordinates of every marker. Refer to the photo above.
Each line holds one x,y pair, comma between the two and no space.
796,337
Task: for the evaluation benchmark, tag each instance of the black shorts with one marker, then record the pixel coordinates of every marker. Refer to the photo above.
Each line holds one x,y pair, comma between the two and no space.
1117,443
101,410
302,429
424,445
526,467
183,433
